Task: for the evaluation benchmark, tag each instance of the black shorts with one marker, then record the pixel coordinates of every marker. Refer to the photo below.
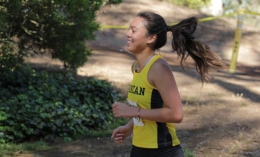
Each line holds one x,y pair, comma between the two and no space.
175,151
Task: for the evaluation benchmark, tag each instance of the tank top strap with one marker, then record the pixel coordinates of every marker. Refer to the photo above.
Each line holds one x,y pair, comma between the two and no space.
133,68
151,61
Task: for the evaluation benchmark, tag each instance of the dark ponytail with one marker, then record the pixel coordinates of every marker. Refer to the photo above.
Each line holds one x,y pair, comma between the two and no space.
183,41
184,45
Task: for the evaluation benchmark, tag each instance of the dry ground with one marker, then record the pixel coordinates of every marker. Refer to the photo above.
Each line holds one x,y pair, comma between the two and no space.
222,118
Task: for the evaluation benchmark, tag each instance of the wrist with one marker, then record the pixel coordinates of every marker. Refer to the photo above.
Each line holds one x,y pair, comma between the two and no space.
136,112
130,124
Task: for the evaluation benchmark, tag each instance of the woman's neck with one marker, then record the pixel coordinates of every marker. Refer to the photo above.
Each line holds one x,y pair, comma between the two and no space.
143,59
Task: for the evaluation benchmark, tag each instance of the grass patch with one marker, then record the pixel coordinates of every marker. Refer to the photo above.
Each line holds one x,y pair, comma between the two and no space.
188,152
10,150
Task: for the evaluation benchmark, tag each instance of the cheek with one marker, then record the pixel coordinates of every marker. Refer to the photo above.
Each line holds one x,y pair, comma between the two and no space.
138,45
140,39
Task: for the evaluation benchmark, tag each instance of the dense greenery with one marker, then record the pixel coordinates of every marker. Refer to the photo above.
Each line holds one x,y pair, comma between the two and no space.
58,27
41,105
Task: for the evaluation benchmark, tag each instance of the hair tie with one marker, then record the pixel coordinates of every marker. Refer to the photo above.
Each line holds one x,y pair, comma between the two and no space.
169,28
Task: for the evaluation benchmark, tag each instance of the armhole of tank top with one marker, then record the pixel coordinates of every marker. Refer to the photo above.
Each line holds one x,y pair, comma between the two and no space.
153,61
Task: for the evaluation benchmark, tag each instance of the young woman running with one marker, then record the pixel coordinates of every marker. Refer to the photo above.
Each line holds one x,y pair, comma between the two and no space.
153,97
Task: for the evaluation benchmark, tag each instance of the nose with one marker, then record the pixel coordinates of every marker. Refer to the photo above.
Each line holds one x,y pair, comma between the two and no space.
128,33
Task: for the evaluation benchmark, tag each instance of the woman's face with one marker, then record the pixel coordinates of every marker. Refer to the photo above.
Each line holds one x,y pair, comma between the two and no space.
137,37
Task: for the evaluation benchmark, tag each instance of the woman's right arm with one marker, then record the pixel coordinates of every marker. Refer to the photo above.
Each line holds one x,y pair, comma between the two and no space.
122,132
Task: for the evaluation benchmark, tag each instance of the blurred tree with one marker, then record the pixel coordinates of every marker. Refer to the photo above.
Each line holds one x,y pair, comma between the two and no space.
233,5
191,3
58,27
248,5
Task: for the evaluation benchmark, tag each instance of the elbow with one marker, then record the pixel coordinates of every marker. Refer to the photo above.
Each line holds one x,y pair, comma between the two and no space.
177,118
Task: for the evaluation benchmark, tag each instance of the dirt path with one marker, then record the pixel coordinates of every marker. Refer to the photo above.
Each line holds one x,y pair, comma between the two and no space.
222,118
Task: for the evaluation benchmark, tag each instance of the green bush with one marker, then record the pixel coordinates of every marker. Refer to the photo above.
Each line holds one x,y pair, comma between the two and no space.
41,105
57,27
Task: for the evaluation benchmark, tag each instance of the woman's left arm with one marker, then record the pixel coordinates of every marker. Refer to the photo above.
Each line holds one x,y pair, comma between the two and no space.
160,76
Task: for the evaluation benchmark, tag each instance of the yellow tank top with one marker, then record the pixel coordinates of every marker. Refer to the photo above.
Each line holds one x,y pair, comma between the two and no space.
151,134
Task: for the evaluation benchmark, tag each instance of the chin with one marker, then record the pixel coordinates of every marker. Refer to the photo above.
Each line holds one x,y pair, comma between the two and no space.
129,49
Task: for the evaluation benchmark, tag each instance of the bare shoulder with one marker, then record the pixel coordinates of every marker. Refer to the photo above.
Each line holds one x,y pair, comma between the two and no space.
159,71
160,65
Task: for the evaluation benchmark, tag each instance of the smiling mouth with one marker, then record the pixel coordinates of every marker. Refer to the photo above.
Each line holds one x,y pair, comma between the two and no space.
129,42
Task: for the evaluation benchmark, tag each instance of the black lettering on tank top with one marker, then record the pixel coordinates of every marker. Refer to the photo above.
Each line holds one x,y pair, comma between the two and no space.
136,90
142,90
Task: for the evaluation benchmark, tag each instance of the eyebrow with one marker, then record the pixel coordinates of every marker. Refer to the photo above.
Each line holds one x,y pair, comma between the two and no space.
136,27
133,27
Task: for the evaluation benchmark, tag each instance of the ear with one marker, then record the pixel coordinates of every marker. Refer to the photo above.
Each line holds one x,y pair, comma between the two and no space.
151,39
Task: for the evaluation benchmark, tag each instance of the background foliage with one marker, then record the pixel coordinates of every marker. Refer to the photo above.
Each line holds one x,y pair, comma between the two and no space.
231,5
58,27
42,105
249,5
39,104
228,6
191,3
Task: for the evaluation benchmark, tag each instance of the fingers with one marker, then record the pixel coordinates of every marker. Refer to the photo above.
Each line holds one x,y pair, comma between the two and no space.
117,135
120,110
115,109
118,138
115,131
115,104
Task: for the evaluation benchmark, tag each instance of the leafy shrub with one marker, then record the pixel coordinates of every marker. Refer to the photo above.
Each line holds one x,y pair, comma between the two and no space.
41,105
57,27
9,60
